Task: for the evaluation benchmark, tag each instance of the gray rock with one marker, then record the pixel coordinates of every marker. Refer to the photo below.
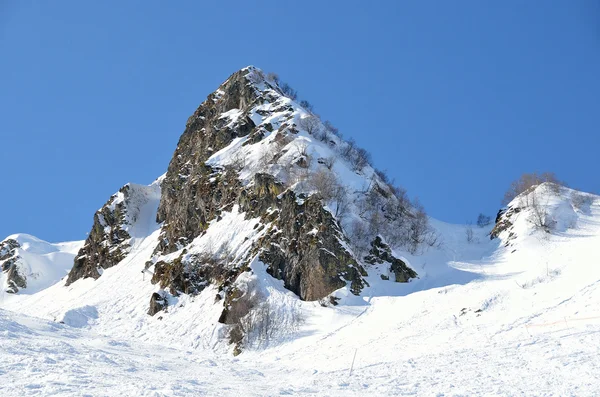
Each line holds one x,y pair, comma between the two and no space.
9,260
108,241
157,304
504,223
381,253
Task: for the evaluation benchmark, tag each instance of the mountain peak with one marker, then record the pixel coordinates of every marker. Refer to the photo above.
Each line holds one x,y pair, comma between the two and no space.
257,184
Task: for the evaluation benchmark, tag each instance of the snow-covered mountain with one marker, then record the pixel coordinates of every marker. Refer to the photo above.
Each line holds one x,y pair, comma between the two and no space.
270,235
29,264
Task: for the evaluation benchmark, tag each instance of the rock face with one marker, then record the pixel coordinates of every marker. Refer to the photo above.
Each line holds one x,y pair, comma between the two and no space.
109,240
157,303
301,244
9,260
190,199
382,253
244,152
504,222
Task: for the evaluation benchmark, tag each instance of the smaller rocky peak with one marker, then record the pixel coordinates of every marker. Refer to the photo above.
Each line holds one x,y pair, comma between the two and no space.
9,260
8,248
544,208
504,223
109,240
381,253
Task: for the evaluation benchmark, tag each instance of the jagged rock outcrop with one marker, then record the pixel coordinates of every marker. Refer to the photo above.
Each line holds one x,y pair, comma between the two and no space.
382,253
9,260
504,222
304,245
109,240
157,303
189,198
303,242
251,156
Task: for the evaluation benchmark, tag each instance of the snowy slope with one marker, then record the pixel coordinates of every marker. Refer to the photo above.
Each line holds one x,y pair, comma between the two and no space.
515,315
41,263
483,319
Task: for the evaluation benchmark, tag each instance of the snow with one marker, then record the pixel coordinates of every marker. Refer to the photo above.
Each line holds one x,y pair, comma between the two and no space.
42,263
482,319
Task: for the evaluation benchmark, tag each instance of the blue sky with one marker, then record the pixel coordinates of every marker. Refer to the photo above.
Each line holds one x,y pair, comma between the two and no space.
454,99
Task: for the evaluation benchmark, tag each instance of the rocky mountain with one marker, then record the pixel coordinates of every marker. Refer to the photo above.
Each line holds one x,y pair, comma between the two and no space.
110,239
263,205
29,264
520,309
308,207
271,235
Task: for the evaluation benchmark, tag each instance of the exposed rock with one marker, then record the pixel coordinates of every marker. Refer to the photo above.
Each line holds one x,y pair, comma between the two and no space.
109,240
381,253
303,245
504,223
9,261
190,274
188,200
7,248
157,303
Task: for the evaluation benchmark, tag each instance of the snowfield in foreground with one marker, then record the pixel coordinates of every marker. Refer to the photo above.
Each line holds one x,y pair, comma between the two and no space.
483,319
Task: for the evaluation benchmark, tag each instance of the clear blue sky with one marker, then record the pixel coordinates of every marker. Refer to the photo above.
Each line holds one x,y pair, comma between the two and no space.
455,99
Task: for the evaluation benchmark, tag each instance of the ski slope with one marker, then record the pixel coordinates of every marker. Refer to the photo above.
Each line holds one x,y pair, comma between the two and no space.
482,319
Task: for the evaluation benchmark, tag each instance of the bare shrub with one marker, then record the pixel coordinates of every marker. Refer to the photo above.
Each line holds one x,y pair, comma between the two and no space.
259,323
288,173
310,124
266,155
237,163
469,233
273,77
528,181
419,228
382,174
302,149
347,149
264,322
321,135
581,201
360,236
332,129
324,182
256,76
359,158
483,220
538,216
306,105
372,201
301,171
328,162
329,188
342,202
288,91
